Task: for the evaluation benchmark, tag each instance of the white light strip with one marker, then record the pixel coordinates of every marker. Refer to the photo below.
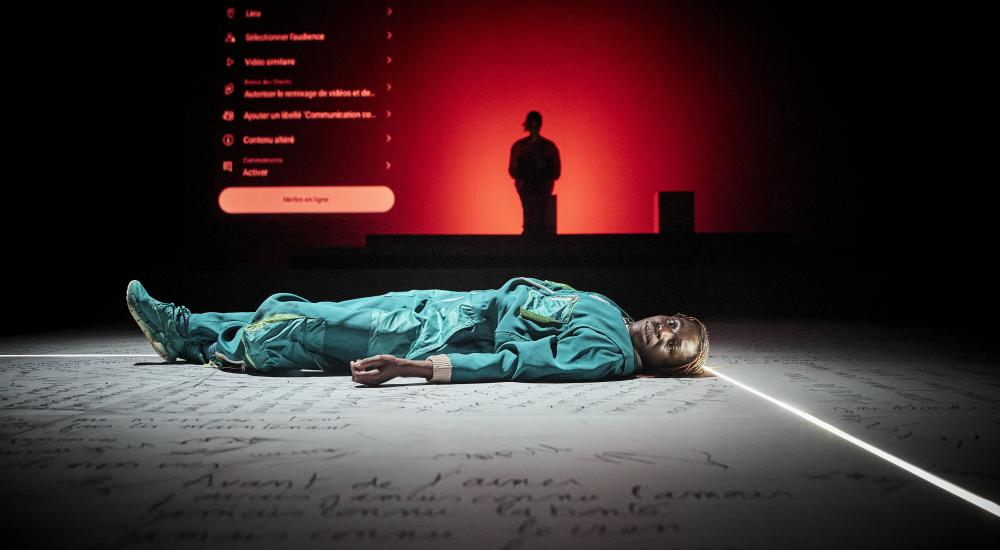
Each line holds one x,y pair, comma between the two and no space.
81,355
979,501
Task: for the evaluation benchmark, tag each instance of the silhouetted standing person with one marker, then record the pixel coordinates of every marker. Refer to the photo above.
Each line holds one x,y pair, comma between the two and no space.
534,165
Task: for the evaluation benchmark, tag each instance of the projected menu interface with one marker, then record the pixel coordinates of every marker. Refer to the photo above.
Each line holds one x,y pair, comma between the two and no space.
306,107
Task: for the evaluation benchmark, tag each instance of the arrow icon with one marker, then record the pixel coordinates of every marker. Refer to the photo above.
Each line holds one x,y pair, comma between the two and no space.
388,86
388,138
388,165
388,113
388,60
388,35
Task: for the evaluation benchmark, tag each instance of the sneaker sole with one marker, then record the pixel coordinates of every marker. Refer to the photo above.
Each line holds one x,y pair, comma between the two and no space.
225,363
157,346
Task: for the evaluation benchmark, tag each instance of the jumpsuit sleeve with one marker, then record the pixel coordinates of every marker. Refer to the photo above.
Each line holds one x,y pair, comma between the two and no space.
581,355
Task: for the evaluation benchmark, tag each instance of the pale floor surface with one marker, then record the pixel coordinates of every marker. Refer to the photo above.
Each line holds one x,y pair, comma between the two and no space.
131,452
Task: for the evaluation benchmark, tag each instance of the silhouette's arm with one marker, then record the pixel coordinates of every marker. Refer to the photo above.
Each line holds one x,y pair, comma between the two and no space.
512,168
556,166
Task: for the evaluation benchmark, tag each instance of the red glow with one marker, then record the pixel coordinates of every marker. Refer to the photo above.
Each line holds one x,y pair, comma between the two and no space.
640,97
620,96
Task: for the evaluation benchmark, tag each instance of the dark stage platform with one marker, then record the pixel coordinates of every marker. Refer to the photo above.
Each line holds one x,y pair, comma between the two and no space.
575,250
711,273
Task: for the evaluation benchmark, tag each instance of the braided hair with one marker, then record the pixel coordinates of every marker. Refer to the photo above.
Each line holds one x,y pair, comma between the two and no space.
695,365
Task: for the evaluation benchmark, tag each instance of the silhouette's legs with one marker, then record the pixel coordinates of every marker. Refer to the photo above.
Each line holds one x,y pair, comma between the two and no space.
527,207
533,203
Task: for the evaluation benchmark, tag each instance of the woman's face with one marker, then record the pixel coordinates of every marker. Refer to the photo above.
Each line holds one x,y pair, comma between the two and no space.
665,342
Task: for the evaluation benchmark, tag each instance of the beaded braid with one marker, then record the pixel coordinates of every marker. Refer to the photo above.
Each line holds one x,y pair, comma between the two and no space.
695,366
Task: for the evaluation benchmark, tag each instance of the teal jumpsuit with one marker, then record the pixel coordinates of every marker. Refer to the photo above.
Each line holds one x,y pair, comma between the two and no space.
528,329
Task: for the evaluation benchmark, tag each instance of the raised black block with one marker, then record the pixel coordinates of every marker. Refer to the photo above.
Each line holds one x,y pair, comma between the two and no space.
675,211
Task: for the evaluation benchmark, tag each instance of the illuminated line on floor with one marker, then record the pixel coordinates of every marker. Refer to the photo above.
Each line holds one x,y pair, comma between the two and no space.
979,501
81,355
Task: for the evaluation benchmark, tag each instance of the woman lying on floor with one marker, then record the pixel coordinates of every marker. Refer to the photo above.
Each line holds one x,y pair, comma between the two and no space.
527,330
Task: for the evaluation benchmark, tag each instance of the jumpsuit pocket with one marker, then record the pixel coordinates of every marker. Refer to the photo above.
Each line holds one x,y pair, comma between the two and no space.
283,342
444,323
548,309
393,332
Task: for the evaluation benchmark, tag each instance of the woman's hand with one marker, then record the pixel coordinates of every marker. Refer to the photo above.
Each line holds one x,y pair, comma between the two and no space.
377,369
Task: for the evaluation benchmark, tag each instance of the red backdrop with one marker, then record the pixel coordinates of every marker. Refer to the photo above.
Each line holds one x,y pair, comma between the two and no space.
639,97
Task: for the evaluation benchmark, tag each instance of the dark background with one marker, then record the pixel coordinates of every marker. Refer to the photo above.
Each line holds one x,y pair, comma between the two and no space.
880,126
